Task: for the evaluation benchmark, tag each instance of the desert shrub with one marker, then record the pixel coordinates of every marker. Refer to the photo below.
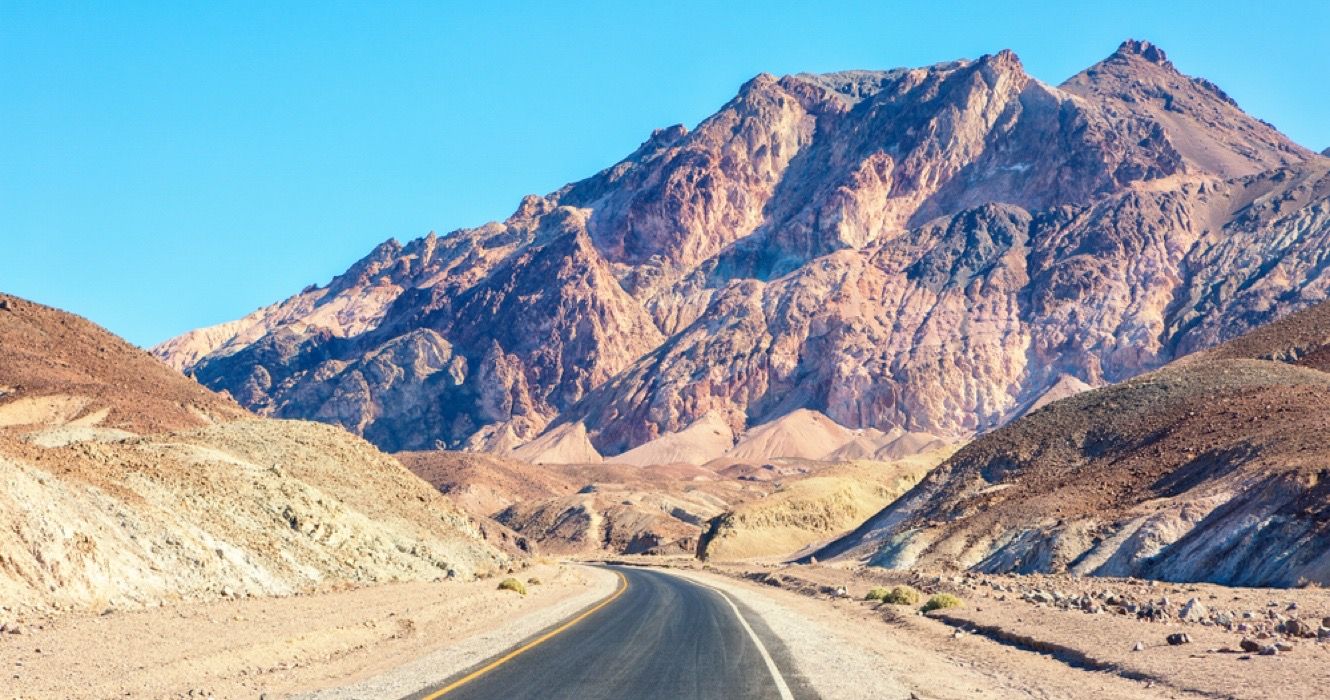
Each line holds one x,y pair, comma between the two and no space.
942,601
512,584
878,593
900,595
533,581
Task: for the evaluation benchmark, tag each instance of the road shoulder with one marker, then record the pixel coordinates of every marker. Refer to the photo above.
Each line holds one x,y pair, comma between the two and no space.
387,636
847,650
462,654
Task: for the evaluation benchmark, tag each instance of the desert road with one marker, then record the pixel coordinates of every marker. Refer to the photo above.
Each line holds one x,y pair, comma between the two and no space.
657,636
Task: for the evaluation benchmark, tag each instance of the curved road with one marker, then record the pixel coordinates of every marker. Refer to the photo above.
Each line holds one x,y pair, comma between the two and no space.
658,636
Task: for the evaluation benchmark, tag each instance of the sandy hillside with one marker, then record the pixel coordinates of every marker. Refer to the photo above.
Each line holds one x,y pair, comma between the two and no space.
95,515
1209,469
565,444
805,511
802,434
702,441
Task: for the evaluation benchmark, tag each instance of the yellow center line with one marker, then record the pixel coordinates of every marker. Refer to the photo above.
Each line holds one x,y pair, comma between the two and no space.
623,586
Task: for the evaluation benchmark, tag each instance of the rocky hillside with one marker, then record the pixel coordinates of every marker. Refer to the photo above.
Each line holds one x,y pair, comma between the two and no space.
1210,469
57,368
926,250
103,509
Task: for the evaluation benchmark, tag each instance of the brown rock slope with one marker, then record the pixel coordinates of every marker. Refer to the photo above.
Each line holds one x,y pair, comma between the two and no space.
925,249
93,516
1210,469
58,368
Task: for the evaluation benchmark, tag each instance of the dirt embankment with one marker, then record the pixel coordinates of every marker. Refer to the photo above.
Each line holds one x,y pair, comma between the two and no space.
246,508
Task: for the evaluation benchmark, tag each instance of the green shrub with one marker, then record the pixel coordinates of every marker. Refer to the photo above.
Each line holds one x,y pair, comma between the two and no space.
897,595
512,584
942,601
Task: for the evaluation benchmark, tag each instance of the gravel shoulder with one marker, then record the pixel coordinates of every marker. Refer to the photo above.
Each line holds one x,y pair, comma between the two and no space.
1040,636
846,649
363,642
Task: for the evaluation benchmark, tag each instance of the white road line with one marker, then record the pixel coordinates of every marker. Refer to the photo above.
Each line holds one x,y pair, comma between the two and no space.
781,685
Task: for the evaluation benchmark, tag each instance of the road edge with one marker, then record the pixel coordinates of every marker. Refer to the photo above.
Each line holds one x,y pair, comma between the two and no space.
434,670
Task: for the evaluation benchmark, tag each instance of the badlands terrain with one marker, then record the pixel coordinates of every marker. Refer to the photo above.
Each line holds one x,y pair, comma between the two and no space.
1055,358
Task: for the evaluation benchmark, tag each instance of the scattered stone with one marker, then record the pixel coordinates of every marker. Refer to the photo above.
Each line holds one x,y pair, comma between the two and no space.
1248,644
1283,646
1193,611
1299,628
1178,639
1140,646
1269,650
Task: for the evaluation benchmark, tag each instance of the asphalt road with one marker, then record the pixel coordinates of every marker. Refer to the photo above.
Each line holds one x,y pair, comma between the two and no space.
660,637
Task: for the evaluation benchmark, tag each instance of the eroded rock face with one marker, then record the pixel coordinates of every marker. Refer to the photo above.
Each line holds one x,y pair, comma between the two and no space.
929,249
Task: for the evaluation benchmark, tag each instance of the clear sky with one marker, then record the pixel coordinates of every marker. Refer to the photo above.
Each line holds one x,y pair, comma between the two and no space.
169,165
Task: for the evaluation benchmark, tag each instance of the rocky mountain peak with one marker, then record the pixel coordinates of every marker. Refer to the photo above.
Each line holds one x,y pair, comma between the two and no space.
1326,152
1144,50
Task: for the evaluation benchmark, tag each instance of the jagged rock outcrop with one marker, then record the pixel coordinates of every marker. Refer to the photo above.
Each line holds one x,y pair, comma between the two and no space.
927,249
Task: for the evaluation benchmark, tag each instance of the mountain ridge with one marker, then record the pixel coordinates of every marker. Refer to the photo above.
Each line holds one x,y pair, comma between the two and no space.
812,245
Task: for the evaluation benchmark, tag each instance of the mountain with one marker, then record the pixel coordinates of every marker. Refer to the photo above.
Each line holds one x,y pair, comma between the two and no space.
1210,469
129,485
922,250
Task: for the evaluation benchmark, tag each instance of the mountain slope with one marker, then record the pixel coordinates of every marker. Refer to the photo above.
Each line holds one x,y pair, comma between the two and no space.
925,249
94,515
1212,468
60,368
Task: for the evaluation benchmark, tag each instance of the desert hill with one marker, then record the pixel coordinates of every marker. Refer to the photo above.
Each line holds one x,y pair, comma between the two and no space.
592,509
928,250
60,369
129,485
804,511
1210,469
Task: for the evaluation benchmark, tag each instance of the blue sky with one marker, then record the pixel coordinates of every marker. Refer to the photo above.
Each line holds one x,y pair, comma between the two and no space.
169,165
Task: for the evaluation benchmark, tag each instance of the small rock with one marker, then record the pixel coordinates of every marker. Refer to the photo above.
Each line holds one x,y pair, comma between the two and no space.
1283,646
1299,628
1269,651
1248,644
1178,639
1140,646
1193,611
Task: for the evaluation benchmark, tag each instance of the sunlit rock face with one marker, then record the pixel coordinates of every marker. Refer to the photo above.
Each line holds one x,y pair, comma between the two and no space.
930,249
